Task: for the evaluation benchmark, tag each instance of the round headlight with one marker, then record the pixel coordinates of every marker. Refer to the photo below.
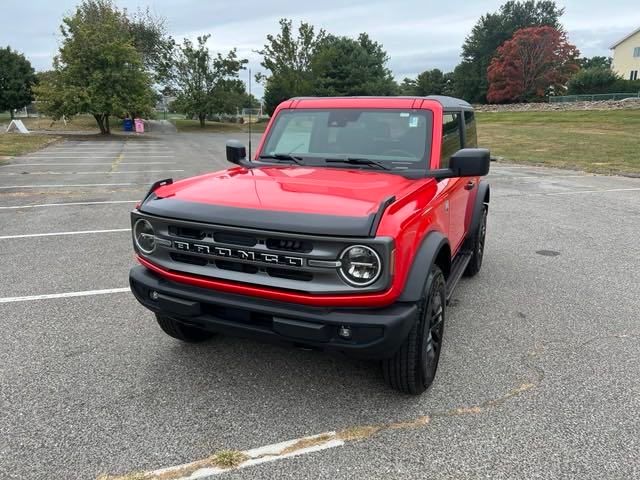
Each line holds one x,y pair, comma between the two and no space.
144,236
361,265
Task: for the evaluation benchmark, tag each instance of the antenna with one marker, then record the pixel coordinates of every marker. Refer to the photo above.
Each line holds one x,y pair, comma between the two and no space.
250,103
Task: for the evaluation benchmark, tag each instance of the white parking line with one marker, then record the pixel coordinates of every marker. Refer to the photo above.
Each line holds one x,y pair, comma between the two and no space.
81,150
86,173
115,155
577,192
255,456
67,204
111,146
81,163
86,293
574,192
537,177
6,187
106,147
55,234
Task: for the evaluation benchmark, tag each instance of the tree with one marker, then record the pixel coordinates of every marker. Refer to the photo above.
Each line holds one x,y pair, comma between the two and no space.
429,82
536,61
449,86
408,86
150,39
343,66
491,31
206,84
98,69
288,58
603,63
16,79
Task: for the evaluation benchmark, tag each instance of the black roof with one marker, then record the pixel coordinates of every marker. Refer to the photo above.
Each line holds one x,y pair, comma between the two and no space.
449,102
446,102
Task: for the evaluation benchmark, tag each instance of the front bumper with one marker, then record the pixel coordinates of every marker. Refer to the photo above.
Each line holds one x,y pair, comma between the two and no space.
375,333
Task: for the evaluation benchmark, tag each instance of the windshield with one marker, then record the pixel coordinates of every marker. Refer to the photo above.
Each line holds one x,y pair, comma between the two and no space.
398,138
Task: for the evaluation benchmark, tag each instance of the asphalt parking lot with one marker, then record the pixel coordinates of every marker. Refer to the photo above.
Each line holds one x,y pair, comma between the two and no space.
538,376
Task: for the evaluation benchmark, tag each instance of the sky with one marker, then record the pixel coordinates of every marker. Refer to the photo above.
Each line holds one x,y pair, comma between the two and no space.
417,34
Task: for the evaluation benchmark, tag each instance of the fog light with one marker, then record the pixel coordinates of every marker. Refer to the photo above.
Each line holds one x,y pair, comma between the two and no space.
154,295
344,332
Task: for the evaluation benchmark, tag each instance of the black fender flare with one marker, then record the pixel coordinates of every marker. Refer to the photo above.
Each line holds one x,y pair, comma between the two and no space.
482,198
430,248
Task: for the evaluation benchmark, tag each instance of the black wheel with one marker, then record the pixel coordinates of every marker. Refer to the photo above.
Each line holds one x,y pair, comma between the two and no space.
413,367
182,331
477,245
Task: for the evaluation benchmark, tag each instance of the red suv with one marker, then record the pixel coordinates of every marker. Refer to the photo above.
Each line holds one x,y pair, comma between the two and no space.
348,230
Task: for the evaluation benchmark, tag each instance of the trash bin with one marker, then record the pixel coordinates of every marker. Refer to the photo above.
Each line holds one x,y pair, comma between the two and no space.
139,125
127,124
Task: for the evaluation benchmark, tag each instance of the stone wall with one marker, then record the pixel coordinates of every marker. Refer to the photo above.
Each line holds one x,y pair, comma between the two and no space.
629,103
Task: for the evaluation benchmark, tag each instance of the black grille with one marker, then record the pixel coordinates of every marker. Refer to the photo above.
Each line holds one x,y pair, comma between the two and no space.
185,232
235,239
290,274
289,245
191,259
236,266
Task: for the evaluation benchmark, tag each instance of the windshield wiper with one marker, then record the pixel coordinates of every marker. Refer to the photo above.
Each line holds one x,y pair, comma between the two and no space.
283,156
357,161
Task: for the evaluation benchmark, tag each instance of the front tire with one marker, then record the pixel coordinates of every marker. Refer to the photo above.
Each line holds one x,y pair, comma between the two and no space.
182,331
412,369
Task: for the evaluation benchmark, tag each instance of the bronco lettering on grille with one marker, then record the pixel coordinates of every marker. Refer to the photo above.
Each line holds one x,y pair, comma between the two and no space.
247,255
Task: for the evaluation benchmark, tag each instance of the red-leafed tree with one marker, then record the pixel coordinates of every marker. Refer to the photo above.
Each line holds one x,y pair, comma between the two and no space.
536,61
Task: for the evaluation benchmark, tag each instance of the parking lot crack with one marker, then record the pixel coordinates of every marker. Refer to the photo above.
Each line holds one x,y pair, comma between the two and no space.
234,459
618,336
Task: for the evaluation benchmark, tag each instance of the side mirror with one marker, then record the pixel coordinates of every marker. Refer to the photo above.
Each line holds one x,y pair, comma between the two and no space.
236,152
468,162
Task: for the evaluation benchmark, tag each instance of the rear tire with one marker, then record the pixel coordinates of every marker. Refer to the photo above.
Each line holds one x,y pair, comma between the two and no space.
182,331
412,369
477,245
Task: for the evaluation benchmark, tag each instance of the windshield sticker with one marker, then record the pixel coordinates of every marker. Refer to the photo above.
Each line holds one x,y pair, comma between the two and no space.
404,114
413,122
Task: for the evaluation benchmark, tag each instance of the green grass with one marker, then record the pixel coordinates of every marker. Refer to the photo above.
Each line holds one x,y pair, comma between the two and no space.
593,141
215,127
78,123
84,123
12,144
228,458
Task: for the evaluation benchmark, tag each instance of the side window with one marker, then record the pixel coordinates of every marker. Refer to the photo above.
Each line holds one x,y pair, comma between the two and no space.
470,134
451,139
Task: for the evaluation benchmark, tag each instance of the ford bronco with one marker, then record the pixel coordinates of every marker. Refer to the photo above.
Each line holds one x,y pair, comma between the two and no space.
348,230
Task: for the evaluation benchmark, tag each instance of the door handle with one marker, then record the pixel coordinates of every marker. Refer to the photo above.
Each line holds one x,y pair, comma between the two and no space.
469,185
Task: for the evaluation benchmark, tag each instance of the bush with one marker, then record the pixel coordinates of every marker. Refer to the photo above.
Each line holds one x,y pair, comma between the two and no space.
600,80
626,86
592,80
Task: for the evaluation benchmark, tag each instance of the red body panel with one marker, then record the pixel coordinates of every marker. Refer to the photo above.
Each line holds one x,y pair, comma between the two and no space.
421,205
283,188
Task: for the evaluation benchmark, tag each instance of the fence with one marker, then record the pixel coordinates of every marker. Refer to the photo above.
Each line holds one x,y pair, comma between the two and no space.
593,98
